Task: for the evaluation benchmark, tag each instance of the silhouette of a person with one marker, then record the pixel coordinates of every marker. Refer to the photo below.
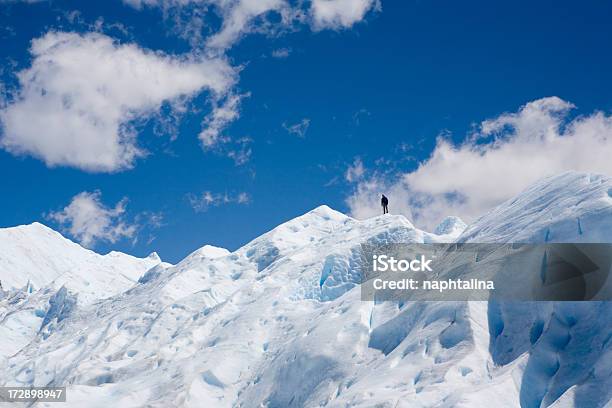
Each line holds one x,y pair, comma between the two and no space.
384,201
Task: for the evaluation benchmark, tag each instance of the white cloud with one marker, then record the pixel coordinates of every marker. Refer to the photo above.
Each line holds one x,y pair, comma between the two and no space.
204,201
243,198
241,17
240,151
298,129
507,154
223,112
337,14
355,171
238,17
139,4
80,101
281,53
76,101
88,220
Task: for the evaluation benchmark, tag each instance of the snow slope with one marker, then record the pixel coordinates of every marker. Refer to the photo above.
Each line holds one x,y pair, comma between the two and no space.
567,346
39,266
37,255
571,207
280,323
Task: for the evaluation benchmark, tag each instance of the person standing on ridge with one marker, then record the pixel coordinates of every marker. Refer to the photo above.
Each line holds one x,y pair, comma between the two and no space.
384,201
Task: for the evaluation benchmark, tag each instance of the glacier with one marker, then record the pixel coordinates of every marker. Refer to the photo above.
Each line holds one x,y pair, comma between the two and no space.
280,322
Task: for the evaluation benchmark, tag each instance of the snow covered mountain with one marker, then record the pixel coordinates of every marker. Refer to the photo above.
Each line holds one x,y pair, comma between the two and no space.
280,322
36,255
39,266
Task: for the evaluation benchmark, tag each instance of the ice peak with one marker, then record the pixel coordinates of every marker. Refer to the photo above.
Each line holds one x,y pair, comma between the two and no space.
210,252
37,224
35,233
327,213
154,257
449,225
39,255
33,227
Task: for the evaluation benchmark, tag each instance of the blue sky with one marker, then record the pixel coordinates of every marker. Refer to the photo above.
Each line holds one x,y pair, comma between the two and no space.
372,95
